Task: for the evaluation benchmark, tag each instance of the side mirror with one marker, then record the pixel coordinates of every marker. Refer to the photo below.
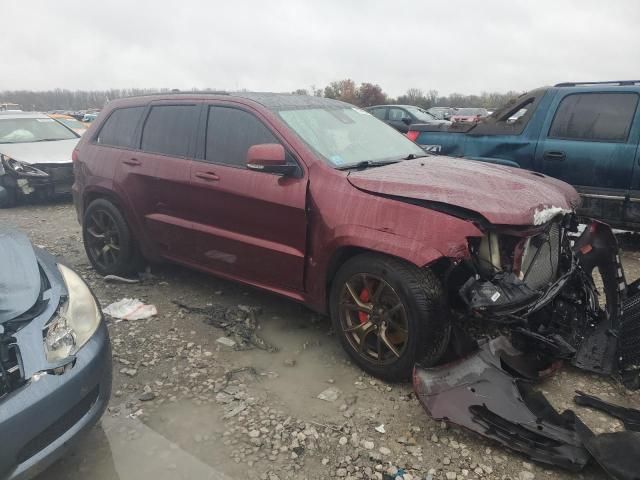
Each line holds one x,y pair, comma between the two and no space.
269,158
406,120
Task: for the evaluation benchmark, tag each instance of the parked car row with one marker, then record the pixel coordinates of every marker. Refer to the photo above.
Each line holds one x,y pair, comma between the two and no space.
401,117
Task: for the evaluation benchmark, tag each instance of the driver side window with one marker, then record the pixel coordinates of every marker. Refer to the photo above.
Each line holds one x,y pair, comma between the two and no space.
230,133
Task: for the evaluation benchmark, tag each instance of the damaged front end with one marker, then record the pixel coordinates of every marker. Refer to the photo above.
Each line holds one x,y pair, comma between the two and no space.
561,290
560,287
21,179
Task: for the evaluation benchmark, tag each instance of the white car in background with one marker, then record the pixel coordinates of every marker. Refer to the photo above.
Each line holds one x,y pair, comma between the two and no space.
35,157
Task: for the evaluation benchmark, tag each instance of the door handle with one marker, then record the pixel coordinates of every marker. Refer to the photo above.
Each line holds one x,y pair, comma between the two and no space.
134,162
553,155
209,176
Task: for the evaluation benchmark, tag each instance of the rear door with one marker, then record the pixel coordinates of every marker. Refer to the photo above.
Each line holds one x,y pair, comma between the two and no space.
250,225
587,141
133,180
167,148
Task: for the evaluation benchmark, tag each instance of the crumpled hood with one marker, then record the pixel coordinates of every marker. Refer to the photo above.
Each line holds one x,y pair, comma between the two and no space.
19,274
502,195
57,151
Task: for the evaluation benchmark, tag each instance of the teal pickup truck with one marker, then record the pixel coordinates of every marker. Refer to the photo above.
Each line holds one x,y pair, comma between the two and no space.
583,133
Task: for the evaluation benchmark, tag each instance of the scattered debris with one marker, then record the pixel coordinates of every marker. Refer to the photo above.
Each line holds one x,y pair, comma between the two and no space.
226,341
240,322
380,429
130,309
630,417
618,453
235,411
117,279
331,394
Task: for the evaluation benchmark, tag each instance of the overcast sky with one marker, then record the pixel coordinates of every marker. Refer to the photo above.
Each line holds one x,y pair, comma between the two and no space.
275,45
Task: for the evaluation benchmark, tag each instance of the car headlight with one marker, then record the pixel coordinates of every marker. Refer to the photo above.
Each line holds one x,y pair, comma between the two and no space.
77,320
21,168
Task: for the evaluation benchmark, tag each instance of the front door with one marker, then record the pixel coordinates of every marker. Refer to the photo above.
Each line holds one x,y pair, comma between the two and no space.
249,225
589,143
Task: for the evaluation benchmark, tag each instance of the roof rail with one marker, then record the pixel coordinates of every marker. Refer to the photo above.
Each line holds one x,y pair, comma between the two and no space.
177,92
610,82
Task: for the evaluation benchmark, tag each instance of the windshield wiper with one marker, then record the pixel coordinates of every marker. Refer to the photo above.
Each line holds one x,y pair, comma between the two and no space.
367,164
47,140
413,156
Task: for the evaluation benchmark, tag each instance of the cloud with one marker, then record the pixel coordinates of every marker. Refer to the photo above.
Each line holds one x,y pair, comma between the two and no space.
276,45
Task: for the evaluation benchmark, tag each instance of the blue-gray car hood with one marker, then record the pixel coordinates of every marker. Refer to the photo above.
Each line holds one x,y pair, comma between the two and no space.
19,274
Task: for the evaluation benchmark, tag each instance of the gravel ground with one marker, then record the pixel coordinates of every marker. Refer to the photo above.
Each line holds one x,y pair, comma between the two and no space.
186,406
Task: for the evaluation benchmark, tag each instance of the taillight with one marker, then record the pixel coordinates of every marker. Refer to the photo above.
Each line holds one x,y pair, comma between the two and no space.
413,135
74,156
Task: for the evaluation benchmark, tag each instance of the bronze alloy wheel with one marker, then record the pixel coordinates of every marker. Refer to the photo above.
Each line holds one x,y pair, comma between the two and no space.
103,238
373,319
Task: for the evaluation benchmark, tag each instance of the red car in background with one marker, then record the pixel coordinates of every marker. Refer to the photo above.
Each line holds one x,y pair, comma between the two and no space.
320,202
468,115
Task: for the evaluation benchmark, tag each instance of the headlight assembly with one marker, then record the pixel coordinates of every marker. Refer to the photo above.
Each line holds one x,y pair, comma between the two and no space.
77,320
21,168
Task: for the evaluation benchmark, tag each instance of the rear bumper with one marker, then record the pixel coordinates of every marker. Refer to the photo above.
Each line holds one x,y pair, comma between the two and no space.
40,421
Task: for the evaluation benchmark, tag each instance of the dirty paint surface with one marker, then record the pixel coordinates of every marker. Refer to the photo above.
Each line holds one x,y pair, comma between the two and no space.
502,195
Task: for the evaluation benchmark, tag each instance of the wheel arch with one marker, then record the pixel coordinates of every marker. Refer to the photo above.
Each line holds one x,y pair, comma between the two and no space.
345,253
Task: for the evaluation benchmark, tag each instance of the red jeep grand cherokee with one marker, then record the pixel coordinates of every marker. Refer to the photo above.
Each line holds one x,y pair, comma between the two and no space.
319,201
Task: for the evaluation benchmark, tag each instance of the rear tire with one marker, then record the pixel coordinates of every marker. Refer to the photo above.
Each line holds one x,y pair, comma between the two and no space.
108,240
387,333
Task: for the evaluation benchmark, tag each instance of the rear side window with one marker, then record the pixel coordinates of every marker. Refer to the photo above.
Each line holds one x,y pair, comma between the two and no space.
120,128
595,116
169,129
378,113
230,133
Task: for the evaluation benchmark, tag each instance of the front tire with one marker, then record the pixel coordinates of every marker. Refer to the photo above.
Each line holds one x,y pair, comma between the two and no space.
389,314
108,240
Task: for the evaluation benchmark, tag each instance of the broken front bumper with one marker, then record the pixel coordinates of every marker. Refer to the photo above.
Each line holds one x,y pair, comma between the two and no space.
478,394
55,179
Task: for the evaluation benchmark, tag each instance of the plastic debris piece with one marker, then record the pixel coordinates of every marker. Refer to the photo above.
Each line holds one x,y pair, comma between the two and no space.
380,429
130,309
117,279
226,341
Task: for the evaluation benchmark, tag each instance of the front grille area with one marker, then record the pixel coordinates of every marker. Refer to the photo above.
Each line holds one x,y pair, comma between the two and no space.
59,427
10,372
541,257
629,347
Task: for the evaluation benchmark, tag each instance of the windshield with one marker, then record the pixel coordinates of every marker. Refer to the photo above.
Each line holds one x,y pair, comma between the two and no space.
26,130
348,136
421,114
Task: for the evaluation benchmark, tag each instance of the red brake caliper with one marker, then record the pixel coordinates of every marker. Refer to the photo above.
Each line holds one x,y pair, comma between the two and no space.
364,297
